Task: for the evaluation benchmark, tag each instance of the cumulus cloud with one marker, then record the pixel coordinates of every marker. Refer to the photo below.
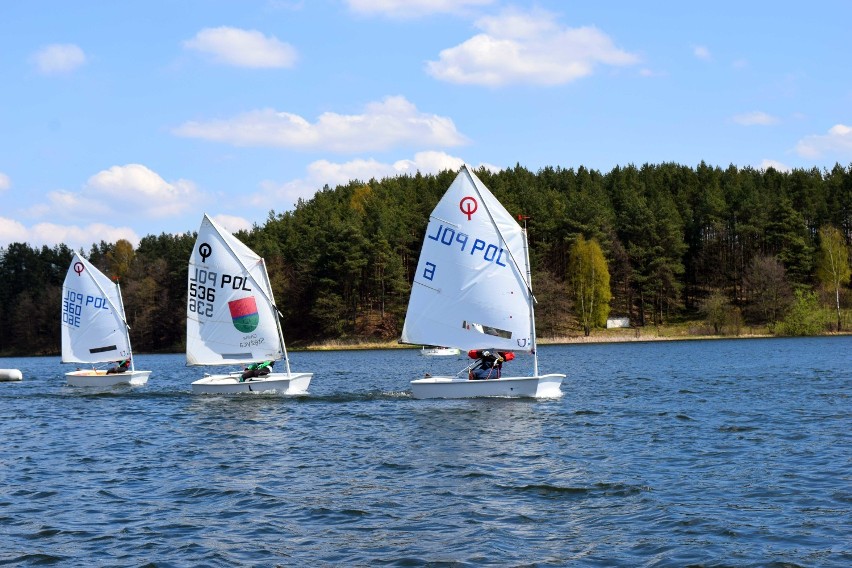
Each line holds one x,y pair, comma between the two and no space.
702,52
527,48
5,182
58,59
282,197
766,164
838,142
413,8
74,236
142,189
755,118
132,189
233,223
242,48
387,124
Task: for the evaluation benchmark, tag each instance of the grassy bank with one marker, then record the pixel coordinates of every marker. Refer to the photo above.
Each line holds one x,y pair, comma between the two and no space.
675,332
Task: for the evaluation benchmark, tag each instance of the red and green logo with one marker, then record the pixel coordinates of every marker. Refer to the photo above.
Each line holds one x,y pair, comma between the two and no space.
244,314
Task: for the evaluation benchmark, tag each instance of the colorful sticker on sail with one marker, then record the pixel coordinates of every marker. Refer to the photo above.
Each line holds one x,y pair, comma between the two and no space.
244,314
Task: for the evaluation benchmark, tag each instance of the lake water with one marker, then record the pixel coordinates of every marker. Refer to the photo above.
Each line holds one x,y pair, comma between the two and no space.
701,453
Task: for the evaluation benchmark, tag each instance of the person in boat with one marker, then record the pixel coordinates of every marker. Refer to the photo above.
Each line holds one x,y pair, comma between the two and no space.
120,367
489,365
257,370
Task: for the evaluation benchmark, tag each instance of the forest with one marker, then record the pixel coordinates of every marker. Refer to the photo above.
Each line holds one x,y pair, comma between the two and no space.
730,247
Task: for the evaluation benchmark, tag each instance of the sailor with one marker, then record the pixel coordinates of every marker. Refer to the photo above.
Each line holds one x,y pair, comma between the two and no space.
489,364
257,370
120,367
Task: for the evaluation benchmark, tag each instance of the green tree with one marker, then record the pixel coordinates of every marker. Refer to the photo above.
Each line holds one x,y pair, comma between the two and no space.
721,314
119,258
833,263
588,276
769,291
805,316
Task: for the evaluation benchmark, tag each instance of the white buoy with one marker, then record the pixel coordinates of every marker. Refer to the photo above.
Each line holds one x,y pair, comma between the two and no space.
10,375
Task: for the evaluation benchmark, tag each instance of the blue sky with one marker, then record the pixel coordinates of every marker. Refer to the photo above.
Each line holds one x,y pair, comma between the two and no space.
124,119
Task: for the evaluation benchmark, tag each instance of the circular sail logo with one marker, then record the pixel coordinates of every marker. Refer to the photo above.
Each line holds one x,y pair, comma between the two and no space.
244,314
468,206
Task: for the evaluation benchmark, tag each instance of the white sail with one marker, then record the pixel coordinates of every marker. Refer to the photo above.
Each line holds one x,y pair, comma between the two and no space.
470,290
94,329
231,314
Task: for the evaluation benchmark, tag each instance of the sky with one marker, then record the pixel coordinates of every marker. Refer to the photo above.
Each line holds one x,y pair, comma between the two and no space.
125,119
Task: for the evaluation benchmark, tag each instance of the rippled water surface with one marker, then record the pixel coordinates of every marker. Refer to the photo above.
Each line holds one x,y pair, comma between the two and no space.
659,454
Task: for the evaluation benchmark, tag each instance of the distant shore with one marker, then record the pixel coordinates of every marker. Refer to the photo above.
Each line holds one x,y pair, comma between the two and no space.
598,336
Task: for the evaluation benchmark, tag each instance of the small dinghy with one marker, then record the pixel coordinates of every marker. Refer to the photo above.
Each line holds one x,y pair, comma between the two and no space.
472,291
95,330
231,318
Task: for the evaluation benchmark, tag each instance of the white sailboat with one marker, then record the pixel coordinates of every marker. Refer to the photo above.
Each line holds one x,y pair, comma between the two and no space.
94,328
231,318
472,290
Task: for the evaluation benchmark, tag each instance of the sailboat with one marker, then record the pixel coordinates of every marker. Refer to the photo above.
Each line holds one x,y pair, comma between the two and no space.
94,327
472,290
231,317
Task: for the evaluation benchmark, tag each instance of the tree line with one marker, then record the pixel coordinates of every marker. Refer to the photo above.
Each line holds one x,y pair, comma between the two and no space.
726,245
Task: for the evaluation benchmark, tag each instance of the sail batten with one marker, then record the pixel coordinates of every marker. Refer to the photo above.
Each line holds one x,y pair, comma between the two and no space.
470,290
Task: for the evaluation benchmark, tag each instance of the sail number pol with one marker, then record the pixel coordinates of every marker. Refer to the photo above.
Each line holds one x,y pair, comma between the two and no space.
73,303
202,289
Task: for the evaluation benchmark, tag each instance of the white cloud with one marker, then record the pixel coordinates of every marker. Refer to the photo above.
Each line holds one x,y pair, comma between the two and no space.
527,48
74,236
387,124
755,118
837,142
57,59
282,197
136,187
233,223
119,191
5,182
702,52
413,8
70,205
242,48
766,164
11,231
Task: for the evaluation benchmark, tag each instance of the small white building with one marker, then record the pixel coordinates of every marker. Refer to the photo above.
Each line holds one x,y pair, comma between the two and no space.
612,323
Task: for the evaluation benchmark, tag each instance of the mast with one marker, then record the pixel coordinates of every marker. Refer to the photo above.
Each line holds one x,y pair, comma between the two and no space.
126,328
531,297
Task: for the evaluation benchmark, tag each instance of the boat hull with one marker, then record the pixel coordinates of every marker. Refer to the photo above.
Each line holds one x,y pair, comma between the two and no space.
544,386
279,383
100,378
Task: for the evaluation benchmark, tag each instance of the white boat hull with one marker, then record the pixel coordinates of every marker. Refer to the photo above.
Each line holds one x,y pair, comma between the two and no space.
100,378
545,386
11,375
279,383
440,352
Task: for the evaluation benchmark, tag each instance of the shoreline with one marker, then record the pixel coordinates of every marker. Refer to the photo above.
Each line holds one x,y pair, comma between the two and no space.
620,336
600,337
